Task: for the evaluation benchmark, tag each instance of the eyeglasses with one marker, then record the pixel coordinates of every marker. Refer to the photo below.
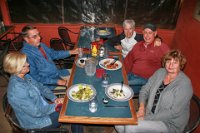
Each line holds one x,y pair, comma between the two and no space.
34,36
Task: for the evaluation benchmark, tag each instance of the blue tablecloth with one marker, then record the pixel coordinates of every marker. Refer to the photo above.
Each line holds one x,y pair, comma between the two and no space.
82,109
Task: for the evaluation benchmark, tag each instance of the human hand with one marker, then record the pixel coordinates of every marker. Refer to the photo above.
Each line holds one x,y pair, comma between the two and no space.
118,47
59,100
58,107
73,51
141,113
157,42
62,82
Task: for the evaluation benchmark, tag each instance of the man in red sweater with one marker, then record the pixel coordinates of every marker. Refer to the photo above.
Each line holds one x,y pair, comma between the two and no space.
144,58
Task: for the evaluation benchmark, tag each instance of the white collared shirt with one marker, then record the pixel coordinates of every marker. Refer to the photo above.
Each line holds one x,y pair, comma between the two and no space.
127,44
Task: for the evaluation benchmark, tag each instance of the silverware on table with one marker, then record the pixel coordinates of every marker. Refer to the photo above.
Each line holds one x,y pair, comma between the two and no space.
116,106
113,62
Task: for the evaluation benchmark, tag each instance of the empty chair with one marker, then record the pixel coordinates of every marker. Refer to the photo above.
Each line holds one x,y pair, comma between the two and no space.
194,115
5,46
11,118
64,35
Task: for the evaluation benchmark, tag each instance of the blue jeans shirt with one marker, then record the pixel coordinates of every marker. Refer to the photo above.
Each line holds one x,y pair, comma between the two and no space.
44,70
27,97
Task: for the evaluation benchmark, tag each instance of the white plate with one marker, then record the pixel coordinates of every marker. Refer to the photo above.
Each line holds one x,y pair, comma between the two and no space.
75,88
127,93
79,63
103,32
103,63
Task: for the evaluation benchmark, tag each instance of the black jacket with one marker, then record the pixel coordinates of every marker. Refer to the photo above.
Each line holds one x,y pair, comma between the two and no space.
116,40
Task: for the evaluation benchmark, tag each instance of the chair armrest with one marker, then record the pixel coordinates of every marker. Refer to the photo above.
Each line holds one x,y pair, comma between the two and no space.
72,31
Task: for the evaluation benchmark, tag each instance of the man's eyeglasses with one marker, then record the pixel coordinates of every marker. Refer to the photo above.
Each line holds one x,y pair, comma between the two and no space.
34,36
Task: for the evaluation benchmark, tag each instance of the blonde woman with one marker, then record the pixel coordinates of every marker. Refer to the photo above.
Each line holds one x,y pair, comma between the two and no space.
27,97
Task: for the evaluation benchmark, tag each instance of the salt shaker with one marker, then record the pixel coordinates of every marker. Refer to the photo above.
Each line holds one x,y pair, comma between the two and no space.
101,51
105,80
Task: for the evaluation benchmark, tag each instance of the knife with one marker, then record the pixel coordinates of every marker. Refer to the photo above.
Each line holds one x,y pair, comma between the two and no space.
116,106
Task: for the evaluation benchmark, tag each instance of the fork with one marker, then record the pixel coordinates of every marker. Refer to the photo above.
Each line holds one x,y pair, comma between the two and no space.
113,62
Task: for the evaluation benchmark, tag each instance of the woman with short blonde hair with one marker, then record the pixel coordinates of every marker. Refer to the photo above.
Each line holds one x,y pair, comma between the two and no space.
14,62
28,97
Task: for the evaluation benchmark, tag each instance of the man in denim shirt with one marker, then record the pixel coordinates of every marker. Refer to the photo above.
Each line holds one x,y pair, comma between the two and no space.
42,67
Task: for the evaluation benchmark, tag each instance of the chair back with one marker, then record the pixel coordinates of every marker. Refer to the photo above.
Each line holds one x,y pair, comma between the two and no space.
10,116
194,115
64,35
16,43
57,44
5,46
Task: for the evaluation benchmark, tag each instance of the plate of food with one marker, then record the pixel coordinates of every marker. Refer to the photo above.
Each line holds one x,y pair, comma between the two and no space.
110,64
80,62
119,92
81,93
103,32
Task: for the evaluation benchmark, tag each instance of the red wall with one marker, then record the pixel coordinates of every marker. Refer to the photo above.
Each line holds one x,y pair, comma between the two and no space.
187,39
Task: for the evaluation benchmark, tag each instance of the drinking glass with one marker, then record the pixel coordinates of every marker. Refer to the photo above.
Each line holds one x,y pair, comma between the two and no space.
93,105
90,67
80,52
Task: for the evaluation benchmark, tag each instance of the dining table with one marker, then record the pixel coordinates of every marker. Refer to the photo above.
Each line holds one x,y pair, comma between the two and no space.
112,113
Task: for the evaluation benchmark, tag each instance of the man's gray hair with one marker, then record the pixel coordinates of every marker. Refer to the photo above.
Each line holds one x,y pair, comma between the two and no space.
129,22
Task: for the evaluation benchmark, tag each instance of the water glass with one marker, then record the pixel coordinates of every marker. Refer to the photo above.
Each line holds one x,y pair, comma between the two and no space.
90,67
80,52
93,105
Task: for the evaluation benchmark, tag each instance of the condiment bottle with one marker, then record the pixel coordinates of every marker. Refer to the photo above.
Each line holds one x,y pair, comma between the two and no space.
101,51
94,50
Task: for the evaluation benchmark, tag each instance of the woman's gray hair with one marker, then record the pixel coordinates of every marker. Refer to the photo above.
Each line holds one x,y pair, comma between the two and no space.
129,22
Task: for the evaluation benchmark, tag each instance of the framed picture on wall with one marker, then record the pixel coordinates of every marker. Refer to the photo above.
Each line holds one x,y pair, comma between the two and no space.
197,11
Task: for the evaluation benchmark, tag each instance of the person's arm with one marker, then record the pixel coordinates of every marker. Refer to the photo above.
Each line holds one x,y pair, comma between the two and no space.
55,54
141,111
46,92
116,40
